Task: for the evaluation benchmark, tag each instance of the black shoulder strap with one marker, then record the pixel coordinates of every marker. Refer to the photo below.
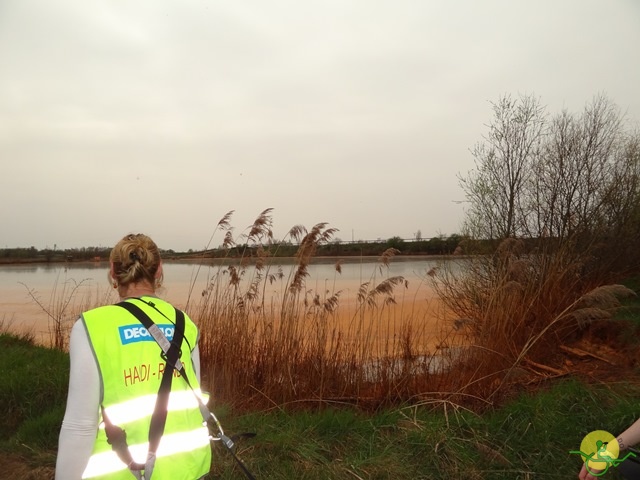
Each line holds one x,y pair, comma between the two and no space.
172,358
171,354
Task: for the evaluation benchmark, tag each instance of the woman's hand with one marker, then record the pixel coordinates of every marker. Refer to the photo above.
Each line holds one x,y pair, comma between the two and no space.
585,475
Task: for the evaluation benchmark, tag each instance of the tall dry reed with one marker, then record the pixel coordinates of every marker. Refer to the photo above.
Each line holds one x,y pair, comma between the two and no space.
269,338
520,304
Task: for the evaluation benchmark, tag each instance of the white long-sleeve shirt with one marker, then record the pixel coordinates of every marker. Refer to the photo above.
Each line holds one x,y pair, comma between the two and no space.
80,424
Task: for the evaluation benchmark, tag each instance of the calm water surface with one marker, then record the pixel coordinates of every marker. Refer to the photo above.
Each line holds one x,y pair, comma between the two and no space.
50,283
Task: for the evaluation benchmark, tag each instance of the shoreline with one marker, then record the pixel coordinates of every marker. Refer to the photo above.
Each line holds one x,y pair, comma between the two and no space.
197,259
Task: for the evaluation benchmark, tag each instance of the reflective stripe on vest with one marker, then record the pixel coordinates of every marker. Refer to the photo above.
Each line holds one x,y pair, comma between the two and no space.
108,462
130,374
141,407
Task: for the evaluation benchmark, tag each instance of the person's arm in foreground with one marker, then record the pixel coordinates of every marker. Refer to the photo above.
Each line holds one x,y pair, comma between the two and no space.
629,437
80,423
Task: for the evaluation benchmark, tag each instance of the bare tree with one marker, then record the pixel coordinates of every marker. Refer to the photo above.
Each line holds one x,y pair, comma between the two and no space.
573,177
622,197
601,132
554,181
557,179
495,190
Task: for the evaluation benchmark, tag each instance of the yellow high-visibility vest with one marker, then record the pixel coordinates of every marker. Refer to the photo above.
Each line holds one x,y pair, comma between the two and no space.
131,369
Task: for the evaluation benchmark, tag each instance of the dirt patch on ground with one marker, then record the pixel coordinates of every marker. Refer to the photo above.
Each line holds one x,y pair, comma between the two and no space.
14,466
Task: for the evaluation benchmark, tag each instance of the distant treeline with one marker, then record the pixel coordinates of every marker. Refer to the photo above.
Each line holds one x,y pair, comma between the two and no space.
433,246
34,255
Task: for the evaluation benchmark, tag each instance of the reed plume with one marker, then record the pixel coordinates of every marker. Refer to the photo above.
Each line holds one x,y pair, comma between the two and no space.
261,227
228,241
387,255
307,248
297,232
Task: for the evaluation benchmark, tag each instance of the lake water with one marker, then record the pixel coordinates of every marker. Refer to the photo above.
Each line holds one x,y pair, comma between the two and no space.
23,286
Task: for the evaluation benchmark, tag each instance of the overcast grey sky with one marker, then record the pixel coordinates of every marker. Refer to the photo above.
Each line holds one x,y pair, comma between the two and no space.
160,116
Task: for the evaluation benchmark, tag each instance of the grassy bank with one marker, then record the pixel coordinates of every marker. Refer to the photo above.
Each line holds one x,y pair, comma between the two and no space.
33,395
528,437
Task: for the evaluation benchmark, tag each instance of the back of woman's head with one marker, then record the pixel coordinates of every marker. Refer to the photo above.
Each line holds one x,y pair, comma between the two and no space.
135,258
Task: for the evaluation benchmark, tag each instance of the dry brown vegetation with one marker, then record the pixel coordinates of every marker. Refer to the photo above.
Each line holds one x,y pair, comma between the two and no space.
305,346
504,312
68,299
521,307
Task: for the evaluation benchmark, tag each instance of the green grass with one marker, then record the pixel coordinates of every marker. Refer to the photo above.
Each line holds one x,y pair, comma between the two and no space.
528,438
33,390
